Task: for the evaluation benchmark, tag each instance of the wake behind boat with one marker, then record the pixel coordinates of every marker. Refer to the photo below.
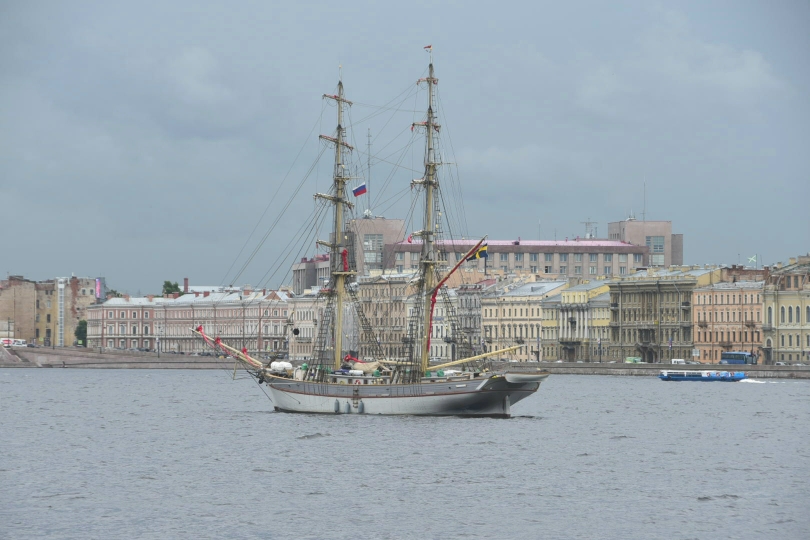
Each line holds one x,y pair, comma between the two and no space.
701,375
335,382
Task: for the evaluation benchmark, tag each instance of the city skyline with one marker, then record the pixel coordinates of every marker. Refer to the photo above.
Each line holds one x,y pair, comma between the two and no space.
143,143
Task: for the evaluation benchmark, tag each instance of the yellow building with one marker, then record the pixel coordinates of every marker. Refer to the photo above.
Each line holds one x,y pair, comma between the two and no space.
786,308
576,322
512,313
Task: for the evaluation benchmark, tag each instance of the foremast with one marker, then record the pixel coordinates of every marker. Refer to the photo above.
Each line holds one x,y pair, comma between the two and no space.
428,233
338,252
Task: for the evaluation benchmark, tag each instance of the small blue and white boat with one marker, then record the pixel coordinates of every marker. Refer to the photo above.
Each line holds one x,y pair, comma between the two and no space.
703,375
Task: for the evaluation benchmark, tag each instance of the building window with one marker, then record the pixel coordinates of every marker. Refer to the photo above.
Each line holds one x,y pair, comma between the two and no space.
798,315
592,270
145,314
655,243
563,269
134,314
622,257
533,257
518,257
47,318
637,257
593,257
533,269
563,257
549,257
146,329
622,270
577,257
547,270
783,340
782,315
577,269
608,270
607,257
504,257
400,256
134,330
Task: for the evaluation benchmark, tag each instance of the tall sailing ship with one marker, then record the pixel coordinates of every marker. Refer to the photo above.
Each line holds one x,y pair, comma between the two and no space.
335,382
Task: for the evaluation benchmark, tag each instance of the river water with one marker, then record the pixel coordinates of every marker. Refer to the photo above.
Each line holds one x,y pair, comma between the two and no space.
193,454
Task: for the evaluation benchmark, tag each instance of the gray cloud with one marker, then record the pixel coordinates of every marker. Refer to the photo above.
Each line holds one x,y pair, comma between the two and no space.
143,142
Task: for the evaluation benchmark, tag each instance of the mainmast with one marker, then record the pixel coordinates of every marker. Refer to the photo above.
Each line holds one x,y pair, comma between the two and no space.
428,233
338,253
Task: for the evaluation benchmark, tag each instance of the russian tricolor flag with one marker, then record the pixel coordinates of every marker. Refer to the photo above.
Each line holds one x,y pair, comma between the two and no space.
359,190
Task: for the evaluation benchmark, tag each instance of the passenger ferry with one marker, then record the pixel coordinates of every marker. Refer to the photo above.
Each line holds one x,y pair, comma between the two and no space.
703,375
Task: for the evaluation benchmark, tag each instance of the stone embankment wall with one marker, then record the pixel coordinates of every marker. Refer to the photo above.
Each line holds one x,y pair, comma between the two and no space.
754,372
70,357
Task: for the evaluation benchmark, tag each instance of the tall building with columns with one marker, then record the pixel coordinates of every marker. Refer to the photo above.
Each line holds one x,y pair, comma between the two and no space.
511,313
786,310
576,316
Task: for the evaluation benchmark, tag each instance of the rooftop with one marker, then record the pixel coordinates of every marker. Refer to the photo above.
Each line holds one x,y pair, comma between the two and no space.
728,286
469,243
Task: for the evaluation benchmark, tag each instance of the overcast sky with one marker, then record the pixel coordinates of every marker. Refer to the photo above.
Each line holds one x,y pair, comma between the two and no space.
143,142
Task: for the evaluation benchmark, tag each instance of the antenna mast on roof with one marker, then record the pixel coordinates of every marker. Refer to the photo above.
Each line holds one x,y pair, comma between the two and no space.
644,210
590,228
368,182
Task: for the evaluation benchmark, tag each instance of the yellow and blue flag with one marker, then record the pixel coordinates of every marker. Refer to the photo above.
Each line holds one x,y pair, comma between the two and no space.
481,253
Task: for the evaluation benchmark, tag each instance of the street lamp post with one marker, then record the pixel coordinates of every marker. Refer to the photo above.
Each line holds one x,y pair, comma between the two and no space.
599,346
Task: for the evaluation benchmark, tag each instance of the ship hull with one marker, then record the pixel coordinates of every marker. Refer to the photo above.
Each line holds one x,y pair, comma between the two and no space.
487,397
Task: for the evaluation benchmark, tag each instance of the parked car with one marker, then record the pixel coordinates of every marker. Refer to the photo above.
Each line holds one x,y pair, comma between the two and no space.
780,364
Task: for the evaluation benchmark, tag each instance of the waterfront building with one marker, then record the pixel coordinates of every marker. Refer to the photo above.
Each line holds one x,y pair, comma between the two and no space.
727,317
255,320
388,303
310,273
550,328
306,310
512,313
651,312
580,307
383,299
369,236
469,313
551,259
575,323
125,322
786,313
47,312
665,248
